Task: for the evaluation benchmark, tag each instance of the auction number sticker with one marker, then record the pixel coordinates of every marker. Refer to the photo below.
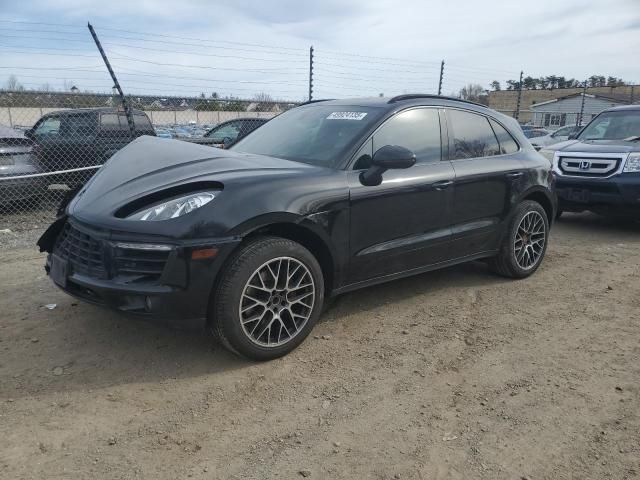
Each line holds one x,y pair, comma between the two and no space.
347,116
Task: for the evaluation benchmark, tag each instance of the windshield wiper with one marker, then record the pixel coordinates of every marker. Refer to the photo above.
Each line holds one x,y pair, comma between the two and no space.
633,138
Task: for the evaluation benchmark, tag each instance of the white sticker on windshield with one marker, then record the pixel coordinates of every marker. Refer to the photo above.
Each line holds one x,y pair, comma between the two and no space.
347,116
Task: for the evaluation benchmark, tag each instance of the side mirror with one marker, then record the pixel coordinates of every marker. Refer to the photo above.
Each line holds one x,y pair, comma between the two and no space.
573,136
387,158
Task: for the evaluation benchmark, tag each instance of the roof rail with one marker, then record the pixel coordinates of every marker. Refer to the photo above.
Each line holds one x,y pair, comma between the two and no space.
414,96
316,101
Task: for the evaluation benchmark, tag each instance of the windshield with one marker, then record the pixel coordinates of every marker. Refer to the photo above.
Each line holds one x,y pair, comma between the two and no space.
315,134
613,126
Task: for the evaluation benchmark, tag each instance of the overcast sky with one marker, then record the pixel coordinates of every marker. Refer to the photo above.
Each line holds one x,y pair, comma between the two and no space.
193,41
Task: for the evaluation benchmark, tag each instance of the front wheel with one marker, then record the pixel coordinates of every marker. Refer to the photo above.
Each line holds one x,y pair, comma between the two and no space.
524,243
268,300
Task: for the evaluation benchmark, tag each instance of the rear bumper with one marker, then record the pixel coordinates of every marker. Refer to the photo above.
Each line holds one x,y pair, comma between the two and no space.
617,194
179,295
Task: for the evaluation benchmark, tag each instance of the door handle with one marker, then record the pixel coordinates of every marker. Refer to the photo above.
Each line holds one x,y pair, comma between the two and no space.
442,184
514,175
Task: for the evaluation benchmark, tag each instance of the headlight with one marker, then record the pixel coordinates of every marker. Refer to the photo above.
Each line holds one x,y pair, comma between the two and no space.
548,154
632,165
174,208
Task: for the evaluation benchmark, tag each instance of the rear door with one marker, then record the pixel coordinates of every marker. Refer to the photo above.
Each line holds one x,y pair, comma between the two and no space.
488,174
403,223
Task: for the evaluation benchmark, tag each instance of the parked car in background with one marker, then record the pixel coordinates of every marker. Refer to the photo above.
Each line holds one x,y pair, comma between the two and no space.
16,160
328,197
560,135
598,169
230,132
79,138
535,132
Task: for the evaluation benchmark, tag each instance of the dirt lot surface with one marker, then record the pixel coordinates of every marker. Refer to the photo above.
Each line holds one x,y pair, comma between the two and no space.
455,374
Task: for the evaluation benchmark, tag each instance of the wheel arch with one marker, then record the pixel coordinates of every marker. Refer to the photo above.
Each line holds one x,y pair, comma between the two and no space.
302,230
544,198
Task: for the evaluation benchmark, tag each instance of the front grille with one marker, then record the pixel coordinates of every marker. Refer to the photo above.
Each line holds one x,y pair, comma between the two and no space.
84,253
588,166
140,262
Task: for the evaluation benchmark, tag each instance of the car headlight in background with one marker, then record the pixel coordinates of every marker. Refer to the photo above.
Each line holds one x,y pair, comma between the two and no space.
174,208
548,154
632,165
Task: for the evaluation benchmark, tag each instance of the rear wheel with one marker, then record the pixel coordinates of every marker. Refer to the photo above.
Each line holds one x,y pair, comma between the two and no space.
268,300
524,243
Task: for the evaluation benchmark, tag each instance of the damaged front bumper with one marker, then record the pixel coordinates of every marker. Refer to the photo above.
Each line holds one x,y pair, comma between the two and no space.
139,274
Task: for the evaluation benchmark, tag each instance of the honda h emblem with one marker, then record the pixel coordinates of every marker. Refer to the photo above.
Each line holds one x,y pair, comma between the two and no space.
584,165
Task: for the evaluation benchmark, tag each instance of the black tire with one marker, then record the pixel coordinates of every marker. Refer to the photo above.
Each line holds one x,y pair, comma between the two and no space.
225,312
506,263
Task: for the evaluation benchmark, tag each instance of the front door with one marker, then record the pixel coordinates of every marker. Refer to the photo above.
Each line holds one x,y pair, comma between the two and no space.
401,224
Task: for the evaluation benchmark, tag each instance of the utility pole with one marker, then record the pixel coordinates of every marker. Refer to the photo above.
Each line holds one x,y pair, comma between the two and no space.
311,73
519,96
441,75
584,94
116,84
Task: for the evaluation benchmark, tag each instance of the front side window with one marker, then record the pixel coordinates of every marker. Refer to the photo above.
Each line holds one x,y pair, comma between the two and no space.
49,126
472,135
613,126
417,129
230,131
78,125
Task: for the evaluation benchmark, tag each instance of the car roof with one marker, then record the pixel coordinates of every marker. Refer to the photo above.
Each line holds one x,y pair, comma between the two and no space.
75,111
623,107
412,100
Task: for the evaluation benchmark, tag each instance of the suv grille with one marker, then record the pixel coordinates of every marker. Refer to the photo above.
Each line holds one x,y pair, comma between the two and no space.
588,166
86,255
83,252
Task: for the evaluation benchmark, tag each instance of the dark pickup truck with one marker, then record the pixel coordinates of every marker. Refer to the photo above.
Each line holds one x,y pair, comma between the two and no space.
69,141
598,169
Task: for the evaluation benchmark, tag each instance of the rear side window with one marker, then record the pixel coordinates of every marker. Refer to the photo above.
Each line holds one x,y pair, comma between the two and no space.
417,129
506,141
109,121
472,135
142,122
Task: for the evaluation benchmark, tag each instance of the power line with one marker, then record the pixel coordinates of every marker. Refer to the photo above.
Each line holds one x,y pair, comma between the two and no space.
122,56
134,93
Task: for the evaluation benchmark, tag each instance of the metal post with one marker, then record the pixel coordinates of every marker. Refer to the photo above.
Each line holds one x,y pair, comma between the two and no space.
125,103
584,93
10,119
441,75
517,116
631,99
311,73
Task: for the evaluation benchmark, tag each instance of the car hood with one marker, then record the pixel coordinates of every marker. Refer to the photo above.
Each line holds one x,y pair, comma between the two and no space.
596,146
151,164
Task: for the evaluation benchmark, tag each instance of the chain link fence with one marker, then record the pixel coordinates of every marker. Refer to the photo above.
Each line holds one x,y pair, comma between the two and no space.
51,143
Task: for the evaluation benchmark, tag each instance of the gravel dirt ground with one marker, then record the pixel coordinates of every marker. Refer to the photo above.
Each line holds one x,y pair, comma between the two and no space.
455,374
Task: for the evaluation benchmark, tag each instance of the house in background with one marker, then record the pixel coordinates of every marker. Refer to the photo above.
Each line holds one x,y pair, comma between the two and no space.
562,111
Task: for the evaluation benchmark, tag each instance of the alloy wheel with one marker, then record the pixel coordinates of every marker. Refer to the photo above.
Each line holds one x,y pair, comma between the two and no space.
530,239
277,301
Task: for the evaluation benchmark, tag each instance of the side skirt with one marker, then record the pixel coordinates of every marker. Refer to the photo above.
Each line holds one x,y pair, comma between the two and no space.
413,271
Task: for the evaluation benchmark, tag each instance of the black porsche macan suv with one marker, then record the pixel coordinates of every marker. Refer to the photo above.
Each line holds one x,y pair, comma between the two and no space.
328,197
